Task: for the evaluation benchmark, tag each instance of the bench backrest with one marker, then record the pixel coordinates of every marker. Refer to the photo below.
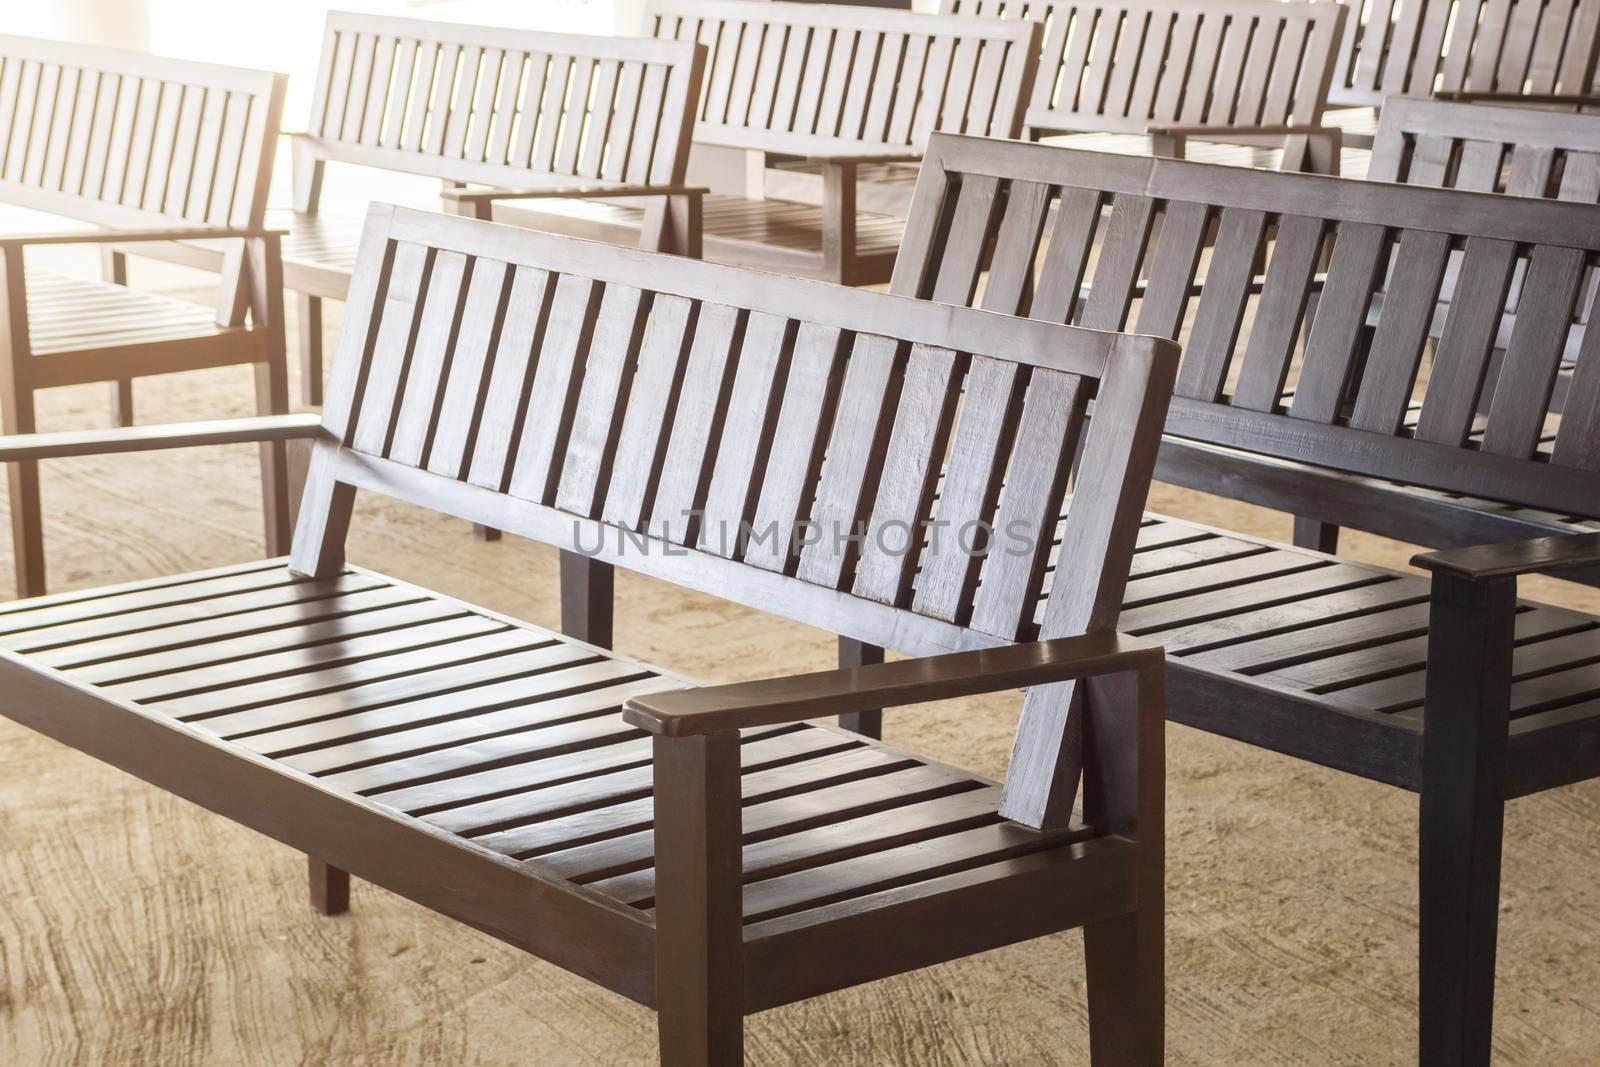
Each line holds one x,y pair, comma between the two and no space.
1128,66
128,139
808,79
1488,149
1420,47
502,107
1258,246
571,392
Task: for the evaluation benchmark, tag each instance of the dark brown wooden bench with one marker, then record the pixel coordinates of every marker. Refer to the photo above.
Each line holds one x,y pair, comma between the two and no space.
1143,75
1522,51
121,150
1453,689
587,807
837,90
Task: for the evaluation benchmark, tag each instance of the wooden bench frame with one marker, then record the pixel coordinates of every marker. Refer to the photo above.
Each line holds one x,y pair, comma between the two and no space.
979,205
82,132
433,418
1258,97
1517,51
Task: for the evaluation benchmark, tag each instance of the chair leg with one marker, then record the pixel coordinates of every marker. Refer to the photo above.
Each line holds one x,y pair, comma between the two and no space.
1465,730
1124,965
330,888
587,591
114,269
853,653
27,527
310,316
1319,536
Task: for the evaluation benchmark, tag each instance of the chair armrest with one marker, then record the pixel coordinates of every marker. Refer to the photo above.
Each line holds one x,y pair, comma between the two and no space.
101,237
260,428
595,192
771,701
1485,562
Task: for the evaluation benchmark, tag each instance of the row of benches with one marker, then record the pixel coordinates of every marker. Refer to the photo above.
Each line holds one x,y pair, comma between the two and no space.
1410,360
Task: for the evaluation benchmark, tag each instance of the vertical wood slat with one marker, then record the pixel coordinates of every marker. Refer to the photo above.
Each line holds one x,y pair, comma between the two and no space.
1346,297
1121,256
798,443
747,430
403,305
1578,437
855,444
1015,247
1172,271
894,533
1462,357
556,381
696,421
656,380
460,409
597,421
429,361
1222,305
1402,332
1280,313
1051,423
1533,355
1077,219
973,473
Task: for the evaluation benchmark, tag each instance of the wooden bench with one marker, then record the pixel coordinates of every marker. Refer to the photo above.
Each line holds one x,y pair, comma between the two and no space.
1452,689
504,775
120,149
1521,51
486,108
1143,75
838,89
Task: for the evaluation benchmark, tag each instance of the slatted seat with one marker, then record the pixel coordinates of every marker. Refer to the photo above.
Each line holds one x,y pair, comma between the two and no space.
597,811
128,152
1532,52
505,737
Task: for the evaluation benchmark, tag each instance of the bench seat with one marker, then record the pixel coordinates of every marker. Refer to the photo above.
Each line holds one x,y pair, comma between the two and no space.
1337,651
505,742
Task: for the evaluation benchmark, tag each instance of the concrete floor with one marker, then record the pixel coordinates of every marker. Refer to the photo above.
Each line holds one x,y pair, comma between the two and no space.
138,930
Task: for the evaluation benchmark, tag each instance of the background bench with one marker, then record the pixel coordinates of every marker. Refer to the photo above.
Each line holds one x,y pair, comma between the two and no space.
1528,50
840,87
146,151
361,720
1342,664
1227,72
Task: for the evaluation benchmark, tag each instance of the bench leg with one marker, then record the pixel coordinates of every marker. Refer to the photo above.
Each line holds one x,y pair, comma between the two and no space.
485,533
330,888
853,653
587,590
114,269
310,328
1463,815
27,527
1319,536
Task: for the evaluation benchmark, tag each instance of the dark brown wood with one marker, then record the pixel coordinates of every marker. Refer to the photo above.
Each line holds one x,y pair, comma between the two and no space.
558,795
1451,689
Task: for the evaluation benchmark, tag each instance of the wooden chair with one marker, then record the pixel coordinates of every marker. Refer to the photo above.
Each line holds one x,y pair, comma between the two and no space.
1519,51
1165,75
1450,688
838,88
587,807
149,151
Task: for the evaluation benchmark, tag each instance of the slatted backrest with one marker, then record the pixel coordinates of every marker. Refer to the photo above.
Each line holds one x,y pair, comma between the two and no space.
1128,66
1488,149
1260,373
1420,47
572,392
512,108
812,79
126,139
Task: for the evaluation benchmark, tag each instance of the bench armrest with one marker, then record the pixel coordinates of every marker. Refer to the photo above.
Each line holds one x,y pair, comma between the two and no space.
174,233
594,192
1541,554
771,701
1469,96
35,446
1228,133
